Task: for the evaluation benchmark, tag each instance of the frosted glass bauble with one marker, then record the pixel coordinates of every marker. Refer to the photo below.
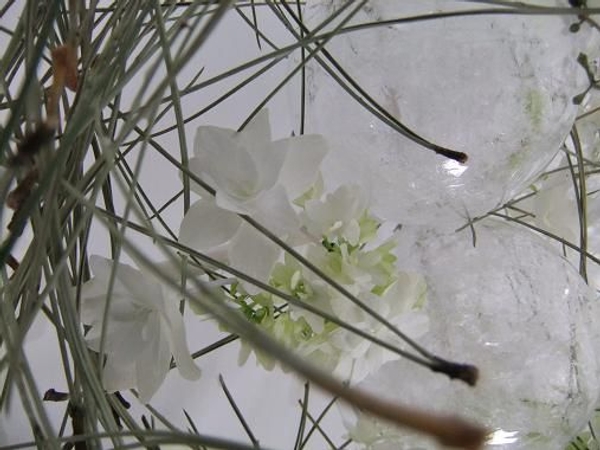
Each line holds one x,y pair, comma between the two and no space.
521,313
499,88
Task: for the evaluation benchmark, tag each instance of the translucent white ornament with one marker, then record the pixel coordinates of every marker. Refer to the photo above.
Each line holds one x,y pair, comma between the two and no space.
498,87
518,311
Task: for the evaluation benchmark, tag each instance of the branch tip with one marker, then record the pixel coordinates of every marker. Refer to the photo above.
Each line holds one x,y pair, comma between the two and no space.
464,372
460,157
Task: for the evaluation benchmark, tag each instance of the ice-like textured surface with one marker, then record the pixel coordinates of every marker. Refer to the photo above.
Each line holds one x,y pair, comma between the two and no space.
499,88
520,312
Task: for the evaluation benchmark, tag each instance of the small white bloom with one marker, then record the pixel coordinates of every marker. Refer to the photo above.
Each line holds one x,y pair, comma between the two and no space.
144,330
399,305
337,216
292,278
254,175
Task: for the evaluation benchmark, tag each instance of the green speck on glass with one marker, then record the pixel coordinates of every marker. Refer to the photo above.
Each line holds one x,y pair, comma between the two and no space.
534,107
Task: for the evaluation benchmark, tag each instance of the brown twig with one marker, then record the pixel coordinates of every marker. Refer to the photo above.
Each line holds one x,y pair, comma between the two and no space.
18,195
64,71
77,414
450,431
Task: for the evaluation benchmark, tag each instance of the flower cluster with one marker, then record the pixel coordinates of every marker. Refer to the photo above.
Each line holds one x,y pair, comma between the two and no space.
143,330
278,184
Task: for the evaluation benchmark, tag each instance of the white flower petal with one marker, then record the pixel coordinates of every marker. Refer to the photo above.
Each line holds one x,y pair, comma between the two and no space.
334,215
206,226
142,290
233,204
257,134
207,135
93,291
122,339
269,160
195,167
129,342
243,166
142,330
92,308
408,292
300,170
352,232
152,366
274,211
178,345
118,377
128,280
101,269
252,253
227,162
244,354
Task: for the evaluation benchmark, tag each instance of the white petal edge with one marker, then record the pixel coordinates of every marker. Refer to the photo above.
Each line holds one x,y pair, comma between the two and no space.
257,134
195,167
300,170
273,210
152,366
118,377
227,162
178,344
252,253
206,226
206,136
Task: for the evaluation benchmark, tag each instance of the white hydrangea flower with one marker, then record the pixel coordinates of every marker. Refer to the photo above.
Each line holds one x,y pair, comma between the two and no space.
367,271
252,175
144,329
292,278
270,181
400,305
338,216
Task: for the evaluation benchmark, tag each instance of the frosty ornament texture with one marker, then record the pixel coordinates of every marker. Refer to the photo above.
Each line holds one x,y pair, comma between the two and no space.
520,312
499,88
